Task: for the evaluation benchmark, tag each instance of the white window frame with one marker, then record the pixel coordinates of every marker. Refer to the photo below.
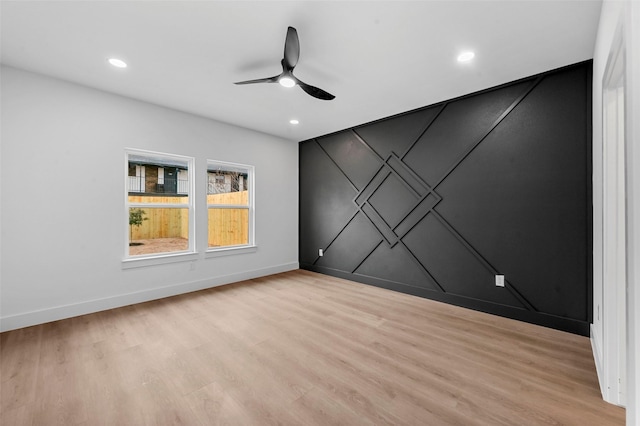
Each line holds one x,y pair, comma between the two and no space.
190,254
241,248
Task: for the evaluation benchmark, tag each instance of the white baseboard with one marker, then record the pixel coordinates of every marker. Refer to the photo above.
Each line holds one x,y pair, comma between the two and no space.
597,358
28,319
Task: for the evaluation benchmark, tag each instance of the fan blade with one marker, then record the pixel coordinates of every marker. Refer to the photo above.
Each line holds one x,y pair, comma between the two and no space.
314,91
291,48
273,79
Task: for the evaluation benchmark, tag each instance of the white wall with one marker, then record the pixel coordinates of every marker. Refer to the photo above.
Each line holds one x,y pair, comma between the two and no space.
62,169
624,15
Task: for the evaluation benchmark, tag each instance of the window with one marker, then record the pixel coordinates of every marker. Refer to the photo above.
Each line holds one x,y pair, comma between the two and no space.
229,205
159,205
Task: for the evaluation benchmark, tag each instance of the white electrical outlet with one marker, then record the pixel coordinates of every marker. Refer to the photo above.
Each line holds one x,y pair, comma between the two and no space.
499,280
320,252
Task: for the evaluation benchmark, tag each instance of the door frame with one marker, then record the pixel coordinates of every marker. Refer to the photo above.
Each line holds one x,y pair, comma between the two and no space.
613,254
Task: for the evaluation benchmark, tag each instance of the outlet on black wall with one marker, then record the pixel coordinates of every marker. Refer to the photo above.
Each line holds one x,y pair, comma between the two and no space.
436,202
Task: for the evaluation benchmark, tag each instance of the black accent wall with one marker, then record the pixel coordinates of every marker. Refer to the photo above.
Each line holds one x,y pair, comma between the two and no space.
437,201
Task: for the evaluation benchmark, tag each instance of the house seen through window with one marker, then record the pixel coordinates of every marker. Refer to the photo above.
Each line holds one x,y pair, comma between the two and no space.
159,204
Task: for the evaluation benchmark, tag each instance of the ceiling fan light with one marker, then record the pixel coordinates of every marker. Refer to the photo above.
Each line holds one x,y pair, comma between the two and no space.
286,82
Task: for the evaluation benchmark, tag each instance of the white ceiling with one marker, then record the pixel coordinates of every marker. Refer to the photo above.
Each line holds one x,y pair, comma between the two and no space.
378,58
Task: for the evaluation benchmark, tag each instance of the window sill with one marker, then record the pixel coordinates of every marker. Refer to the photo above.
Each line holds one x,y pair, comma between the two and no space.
140,262
229,251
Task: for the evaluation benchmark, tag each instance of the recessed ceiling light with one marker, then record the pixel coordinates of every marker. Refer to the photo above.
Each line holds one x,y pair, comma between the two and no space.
287,82
118,63
466,56
294,121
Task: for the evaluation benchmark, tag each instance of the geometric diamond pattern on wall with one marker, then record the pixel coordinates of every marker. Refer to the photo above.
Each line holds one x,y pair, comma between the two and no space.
412,230
394,176
392,200
403,200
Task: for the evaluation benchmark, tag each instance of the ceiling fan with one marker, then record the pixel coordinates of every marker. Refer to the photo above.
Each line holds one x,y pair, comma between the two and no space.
286,78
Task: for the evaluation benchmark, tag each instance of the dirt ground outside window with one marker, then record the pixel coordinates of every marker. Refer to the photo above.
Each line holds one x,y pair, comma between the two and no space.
158,245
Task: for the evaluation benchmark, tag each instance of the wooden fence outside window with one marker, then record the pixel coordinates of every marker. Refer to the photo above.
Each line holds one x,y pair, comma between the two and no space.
227,226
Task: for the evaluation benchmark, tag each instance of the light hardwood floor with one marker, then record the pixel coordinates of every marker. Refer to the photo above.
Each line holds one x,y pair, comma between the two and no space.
298,348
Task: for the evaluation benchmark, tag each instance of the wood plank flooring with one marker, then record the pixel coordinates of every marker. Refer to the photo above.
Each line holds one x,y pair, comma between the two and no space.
298,348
